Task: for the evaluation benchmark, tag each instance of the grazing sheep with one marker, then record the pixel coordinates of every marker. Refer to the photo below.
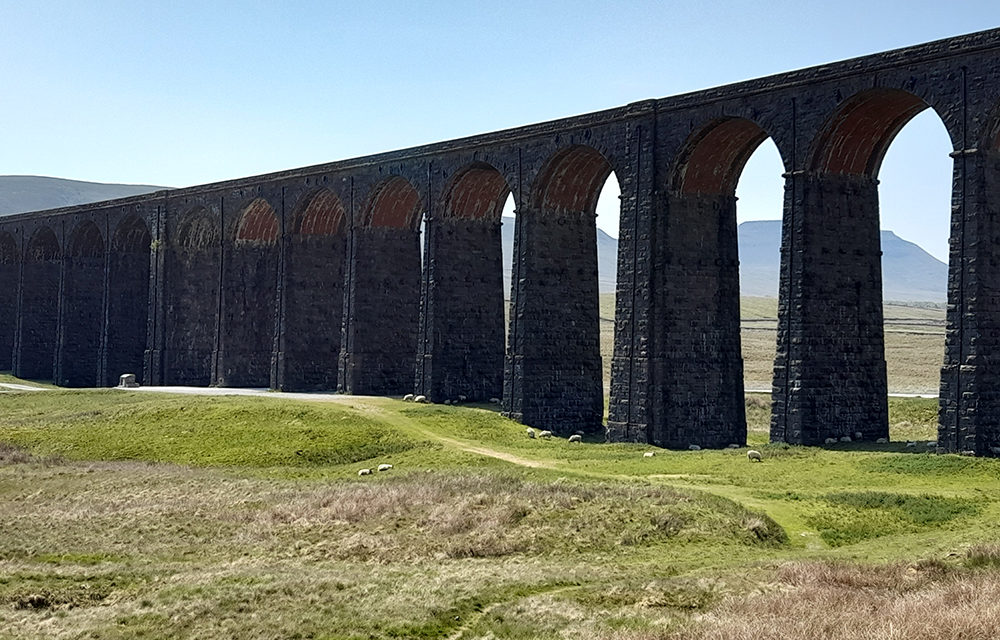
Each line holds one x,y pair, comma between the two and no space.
931,445
421,399
910,444
845,439
694,447
530,432
364,472
970,453
858,435
447,401
494,400
384,467
649,454
733,446
830,441
408,397
995,451
545,434
576,437
462,398
882,441
753,454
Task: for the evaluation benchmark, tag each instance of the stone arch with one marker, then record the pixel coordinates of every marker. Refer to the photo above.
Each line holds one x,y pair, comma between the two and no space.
462,335
39,306
198,230
192,306
855,138
477,192
696,338
78,364
128,298
320,214
383,305
554,336
393,204
249,305
86,241
571,181
713,157
9,281
313,299
258,225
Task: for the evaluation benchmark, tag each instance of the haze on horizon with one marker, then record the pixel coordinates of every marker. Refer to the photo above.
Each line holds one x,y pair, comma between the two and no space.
187,93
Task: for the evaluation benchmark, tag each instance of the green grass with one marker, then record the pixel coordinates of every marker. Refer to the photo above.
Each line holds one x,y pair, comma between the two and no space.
135,514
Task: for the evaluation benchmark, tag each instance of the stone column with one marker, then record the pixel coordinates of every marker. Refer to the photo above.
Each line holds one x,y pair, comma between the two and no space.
829,375
553,377
461,329
969,410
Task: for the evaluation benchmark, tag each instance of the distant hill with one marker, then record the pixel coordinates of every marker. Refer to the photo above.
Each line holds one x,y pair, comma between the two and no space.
19,194
909,273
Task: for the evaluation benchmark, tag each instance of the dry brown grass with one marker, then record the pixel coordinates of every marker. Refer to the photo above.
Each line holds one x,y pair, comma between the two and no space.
854,602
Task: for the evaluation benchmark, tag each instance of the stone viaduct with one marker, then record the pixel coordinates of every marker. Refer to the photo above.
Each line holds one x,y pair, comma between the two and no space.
315,278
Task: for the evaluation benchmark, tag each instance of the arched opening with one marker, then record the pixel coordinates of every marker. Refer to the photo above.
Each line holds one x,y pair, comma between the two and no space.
698,373
9,277
383,305
249,303
836,330
39,307
79,361
314,293
462,331
128,299
193,264
554,357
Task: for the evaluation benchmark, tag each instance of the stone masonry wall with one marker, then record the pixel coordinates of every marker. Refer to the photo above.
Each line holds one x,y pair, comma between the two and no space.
384,302
833,350
464,317
697,378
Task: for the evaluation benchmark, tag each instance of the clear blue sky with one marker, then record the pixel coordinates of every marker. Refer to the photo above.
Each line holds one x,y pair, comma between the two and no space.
184,93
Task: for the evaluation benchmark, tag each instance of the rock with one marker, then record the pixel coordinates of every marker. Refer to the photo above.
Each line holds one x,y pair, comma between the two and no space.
127,381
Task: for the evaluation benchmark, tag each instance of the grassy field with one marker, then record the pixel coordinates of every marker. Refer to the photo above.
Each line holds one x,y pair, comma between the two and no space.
144,515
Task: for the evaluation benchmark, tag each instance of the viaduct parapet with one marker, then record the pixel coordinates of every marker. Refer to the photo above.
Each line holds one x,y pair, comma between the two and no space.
316,278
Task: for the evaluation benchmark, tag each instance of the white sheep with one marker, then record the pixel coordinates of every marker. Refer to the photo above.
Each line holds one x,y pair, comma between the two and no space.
384,467
845,439
462,398
447,401
649,454
995,451
931,445
531,432
753,454
830,441
494,400
420,399
858,435
408,397
576,437
364,472
910,444
732,446
882,441
545,434
694,447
